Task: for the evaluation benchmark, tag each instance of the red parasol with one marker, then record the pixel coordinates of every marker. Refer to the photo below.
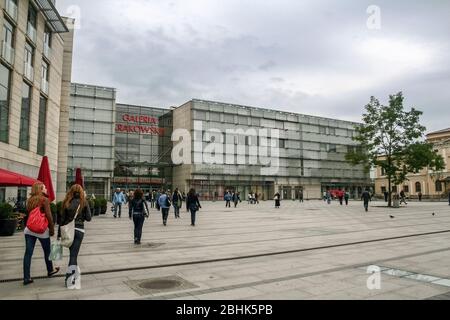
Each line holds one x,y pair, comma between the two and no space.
46,177
12,179
79,178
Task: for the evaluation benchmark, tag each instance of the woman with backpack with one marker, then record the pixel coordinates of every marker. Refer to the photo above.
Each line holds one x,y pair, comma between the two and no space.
193,205
74,208
138,211
36,205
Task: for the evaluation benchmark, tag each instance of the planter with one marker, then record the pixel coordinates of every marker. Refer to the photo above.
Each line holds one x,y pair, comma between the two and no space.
8,227
96,211
103,210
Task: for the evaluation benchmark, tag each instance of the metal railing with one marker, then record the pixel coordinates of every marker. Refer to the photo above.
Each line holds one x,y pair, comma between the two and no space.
11,9
7,52
31,32
28,71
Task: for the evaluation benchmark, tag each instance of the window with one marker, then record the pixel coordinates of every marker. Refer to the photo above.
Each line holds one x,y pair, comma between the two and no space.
406,189
383,171
47,38
332,148
2,195
438,186
394,189
383,189
418,187
4,103
282,143
322,130
44,77
28,60
7,52
32,15
24,138
332,131
42,126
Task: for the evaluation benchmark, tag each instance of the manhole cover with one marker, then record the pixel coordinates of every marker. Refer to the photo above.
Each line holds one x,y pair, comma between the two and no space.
160,284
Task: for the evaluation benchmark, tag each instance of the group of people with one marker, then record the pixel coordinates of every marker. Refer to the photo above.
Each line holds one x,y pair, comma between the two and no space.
231,196
341,195
253,198
161,200
75,209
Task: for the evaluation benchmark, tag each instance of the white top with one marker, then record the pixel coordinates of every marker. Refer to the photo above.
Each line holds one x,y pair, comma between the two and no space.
44,235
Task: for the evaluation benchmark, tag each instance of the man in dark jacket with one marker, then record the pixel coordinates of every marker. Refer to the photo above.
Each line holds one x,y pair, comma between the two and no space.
366,198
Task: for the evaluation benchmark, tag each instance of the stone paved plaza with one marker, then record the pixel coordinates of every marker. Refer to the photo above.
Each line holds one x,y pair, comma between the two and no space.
301,251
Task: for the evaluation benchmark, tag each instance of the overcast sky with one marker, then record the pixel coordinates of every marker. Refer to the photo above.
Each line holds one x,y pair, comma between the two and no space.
312,57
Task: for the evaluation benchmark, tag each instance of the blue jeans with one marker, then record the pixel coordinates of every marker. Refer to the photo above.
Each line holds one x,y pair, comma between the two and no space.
117,205
138,220
30,242
193,213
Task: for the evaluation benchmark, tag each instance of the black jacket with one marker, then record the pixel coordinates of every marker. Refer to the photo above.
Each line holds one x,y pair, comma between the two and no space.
192,202
138,206
66,217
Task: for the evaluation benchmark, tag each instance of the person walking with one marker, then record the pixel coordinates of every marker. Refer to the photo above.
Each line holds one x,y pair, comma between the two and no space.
386,196
328,197
341,197
324,196
420,196
38,199
300,196
402,197
118,201
346,197
366,198
164,203
137,212
192,205
277,199
74,207
177,202
236,198
227,199
152,199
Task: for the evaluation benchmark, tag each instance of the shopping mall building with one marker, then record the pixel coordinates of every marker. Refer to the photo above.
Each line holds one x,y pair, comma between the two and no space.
126,146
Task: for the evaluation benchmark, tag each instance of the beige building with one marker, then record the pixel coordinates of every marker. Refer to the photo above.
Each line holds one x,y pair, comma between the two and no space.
35,71
430,184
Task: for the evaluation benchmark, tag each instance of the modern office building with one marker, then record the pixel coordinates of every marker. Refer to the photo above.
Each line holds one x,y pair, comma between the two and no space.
35,63
431,184
91,137
143,148
310,152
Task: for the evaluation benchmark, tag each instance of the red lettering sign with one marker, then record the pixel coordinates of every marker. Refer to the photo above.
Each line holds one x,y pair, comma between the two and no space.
140,129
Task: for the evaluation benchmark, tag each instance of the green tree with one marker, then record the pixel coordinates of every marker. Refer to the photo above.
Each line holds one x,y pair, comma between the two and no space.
392,138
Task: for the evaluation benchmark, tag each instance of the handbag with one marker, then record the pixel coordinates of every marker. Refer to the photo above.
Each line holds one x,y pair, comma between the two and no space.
37,221
56,252
68,232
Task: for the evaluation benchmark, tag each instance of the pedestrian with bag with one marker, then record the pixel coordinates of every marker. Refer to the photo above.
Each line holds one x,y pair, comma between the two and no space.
277,199
74,212
165,204
192,205
177,202
39,225
138,211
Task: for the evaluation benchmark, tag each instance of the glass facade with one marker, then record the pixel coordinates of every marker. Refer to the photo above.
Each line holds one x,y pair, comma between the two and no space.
311,153
91,137
4,103
42,126
24,140
142,148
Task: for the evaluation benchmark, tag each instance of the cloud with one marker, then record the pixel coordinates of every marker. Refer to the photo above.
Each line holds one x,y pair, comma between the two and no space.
314,57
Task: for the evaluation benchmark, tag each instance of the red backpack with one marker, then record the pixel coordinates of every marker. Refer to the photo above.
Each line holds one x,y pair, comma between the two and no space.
37,221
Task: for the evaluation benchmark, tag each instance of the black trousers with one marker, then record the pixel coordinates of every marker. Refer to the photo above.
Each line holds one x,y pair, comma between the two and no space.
75,248
138,220
165,214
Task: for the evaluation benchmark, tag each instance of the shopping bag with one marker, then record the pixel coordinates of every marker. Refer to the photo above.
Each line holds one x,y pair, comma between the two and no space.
56,253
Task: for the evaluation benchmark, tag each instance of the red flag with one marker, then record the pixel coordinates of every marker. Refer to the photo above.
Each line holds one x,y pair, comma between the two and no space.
46,177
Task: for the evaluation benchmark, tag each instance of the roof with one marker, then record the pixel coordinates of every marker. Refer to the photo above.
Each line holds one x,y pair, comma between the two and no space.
440,131
52,16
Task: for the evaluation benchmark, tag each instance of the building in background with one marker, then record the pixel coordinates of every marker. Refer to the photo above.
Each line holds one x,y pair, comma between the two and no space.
91,137
431,184
311,159
143,148
35,62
